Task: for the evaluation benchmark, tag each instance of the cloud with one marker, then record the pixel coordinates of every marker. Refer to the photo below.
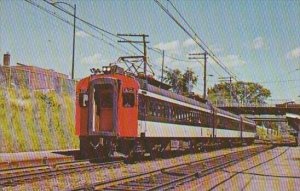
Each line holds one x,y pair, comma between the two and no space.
174,45
167,61
233,60
81,34
216,49
295,53
93,59
258,43
189,42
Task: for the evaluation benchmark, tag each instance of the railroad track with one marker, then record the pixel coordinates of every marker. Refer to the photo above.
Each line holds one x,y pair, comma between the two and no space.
18,176
168,178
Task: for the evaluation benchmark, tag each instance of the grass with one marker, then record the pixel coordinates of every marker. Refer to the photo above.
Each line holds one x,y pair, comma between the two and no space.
33,120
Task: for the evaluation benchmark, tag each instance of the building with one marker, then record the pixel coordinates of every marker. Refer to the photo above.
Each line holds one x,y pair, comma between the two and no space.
31,77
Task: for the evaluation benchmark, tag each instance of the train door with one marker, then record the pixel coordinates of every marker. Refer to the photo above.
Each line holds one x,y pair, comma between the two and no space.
103,96
102,116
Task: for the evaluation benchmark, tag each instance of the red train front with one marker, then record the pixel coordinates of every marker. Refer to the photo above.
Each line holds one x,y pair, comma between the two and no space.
106,110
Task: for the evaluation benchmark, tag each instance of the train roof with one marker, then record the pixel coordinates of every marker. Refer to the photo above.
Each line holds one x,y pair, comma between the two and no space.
154,82
150,87
153,89
227,113
249,121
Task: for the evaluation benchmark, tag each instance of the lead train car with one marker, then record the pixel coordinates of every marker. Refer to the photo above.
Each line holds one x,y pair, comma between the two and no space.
116,112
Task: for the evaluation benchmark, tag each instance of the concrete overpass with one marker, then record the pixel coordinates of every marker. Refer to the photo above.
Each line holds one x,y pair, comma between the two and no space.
262,110
275,118
294,121
286,112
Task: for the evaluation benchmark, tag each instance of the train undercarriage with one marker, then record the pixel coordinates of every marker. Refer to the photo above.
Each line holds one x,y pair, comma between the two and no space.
97,147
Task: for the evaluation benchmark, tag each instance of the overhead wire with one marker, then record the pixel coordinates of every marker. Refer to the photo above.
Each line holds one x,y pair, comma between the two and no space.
195,40
189,26
195,33
110,33
114,35
98,28
68,22
279,81
91,25
169,56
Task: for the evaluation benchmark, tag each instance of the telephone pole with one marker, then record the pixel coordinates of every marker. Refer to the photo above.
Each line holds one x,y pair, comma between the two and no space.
145,53
198,56
74,27
228,79
144,42
162,66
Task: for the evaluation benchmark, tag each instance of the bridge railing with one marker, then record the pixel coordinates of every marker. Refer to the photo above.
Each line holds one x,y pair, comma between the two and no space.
230,103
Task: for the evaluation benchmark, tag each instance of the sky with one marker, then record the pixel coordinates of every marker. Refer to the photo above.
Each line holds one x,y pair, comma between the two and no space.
257,40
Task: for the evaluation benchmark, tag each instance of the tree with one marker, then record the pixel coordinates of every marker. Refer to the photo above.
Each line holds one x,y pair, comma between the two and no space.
174,79
181,83
239,92
189,79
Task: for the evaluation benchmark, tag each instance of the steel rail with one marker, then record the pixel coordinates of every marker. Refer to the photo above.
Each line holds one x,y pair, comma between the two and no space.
51,172
199,174
157,179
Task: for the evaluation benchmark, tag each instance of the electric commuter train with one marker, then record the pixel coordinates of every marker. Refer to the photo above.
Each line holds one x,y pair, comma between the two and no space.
132,115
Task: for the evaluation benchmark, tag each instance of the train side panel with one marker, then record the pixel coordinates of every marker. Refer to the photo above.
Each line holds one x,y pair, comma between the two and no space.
81,114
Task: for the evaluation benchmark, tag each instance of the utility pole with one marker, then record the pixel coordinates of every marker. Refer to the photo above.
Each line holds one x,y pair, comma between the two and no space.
162,66
138,42
228,79
73,55
198,56
74,27
145,53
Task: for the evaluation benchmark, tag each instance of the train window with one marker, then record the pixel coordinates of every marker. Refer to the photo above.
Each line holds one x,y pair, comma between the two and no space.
158,108
103,96
128,99
142,106
83,99
166,112
184,114
180,115
151,108
106,101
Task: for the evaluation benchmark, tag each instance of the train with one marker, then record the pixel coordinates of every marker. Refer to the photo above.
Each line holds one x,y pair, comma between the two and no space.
134,115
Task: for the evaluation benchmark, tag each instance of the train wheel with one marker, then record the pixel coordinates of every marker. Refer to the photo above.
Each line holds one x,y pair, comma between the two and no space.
154,154
193,148
101,153
130,157
133,157
135,153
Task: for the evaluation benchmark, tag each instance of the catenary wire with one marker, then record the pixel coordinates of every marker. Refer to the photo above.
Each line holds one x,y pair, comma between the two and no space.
91,25
68,22
195,40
